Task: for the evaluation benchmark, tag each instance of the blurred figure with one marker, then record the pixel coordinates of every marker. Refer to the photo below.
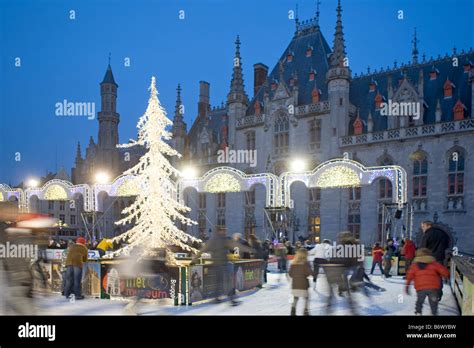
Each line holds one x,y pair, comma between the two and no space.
64,266
259,252
289,248
337,270
280,253
242,244
427,274
218,246
387,258
321,253
408,252
298,245
300,270
377,256
131,268
76,257
104,245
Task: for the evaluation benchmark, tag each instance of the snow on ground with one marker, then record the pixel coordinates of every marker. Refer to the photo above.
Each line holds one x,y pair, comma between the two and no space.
273,299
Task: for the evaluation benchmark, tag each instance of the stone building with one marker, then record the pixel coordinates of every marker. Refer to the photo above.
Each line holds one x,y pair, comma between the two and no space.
310,106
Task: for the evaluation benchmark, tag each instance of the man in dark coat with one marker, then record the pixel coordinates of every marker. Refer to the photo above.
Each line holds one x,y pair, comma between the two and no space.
436,240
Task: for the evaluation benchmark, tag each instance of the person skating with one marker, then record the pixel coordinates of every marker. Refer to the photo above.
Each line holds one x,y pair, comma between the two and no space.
300,270
321,253
63,267
387,258
377,256
280,253
408,253
76,257
427,274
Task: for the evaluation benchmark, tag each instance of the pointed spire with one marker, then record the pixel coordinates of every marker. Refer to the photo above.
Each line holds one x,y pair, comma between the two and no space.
297,20
78,153
237,90
91,141
318,2
178,117
109,76
338,50
415,52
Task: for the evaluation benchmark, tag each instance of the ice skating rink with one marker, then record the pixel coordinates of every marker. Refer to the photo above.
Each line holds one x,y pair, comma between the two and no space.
273,299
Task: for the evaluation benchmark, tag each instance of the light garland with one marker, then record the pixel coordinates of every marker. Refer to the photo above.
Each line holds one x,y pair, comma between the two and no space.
222,182
55,193
128,188
338,176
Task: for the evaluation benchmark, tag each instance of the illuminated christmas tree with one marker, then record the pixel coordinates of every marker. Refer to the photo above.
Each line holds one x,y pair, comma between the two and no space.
156,213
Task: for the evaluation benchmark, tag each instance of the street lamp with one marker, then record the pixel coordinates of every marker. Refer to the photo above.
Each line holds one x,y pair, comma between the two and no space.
189,172
298,165
102,178
32,183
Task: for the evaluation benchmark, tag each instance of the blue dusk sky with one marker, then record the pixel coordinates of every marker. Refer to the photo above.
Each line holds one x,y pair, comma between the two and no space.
66,59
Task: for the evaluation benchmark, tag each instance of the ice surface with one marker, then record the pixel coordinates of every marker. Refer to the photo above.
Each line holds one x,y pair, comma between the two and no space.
273,299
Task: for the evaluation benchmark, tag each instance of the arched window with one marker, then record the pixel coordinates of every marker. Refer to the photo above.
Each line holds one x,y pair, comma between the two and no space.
385,185
281,137
420,176
456,174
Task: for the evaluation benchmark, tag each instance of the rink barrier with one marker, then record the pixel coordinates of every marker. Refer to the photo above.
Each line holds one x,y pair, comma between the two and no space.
462,283
201,279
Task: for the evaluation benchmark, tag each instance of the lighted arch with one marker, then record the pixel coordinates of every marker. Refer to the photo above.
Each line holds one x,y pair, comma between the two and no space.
345,173
228,179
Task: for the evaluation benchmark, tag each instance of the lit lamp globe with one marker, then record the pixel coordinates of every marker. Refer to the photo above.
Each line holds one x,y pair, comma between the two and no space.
298,165
32,183
102,178
189,173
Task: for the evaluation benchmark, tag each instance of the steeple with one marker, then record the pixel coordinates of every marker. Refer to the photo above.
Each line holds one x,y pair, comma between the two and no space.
78,154
178,110
339,49
317,13
109,76
237,91
414,51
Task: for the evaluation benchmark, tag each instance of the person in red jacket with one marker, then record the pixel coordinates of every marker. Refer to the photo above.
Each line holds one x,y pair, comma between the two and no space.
408,252
426,274
377,254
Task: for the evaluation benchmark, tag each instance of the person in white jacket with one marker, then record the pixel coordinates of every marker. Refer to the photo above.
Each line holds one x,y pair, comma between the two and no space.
321,253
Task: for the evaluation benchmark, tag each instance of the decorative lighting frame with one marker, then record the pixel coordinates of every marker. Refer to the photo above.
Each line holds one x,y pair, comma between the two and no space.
366,175
228,179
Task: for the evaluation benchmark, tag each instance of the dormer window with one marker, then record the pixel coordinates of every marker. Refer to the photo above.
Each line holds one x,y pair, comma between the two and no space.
289,57
315,93
467,67
458,110
312,75
434,73
448,89
258,109
378,100
372,86
309,51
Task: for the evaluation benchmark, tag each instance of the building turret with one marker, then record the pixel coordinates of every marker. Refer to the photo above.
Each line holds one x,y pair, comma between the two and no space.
237,99
338,77
179,126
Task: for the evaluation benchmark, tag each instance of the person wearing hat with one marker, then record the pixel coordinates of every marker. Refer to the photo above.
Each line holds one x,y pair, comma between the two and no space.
427,274
76,257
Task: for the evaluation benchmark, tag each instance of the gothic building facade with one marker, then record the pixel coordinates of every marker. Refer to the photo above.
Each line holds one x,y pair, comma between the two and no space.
311,106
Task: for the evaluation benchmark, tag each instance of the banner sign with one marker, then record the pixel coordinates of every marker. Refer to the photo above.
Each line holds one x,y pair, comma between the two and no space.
55,254
118,282
248,275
